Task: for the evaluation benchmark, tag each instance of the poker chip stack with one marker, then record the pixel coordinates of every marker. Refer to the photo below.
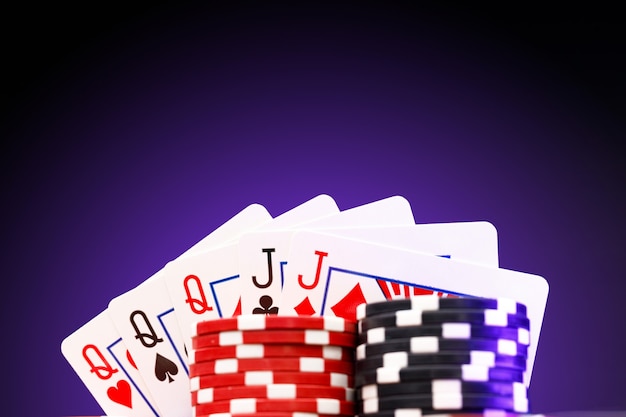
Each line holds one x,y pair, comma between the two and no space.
267,365
428,355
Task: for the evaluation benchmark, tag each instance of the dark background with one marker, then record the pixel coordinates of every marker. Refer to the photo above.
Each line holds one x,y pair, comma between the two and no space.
131,132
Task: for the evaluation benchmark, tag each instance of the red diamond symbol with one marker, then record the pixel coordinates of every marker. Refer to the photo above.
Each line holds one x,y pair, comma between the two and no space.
305,308
346,307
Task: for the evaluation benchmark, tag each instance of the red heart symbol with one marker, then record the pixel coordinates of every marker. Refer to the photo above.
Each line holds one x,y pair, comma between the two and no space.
121,394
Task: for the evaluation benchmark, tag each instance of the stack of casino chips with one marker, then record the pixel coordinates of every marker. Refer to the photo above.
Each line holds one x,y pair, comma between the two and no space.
273,366
428,355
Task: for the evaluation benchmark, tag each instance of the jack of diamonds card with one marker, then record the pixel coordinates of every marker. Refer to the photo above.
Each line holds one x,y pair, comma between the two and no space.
98,355
475,242
336,274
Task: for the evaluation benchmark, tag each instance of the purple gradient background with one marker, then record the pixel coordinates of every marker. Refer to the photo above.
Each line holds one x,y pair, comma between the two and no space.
132,133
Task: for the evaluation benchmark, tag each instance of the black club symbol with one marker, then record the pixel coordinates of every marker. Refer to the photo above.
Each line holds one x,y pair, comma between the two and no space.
266,306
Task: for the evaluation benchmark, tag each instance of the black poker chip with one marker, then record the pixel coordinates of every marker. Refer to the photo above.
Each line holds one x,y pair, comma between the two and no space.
446,331
404,359
429,372
441,356
432,344
433,302
418,317
444,402
441,386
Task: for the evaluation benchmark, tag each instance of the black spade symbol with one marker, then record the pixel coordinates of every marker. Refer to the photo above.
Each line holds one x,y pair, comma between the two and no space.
164,368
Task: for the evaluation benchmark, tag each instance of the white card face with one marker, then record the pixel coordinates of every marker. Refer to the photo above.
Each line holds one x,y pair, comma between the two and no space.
99,357
475,242
146,322
263,254
335,274
206,285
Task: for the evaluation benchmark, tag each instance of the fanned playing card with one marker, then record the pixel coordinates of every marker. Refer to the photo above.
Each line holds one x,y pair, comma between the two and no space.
98,355
146,322
352,272
475,242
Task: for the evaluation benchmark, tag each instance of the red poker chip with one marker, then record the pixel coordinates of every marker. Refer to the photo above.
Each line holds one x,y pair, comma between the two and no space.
282,337
256,405
272,391
253,378
229,366
270,351
269,322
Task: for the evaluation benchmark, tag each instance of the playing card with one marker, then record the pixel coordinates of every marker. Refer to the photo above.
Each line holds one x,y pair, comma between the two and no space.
206,285
336,274
146,322
263,254
475,242
99,357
